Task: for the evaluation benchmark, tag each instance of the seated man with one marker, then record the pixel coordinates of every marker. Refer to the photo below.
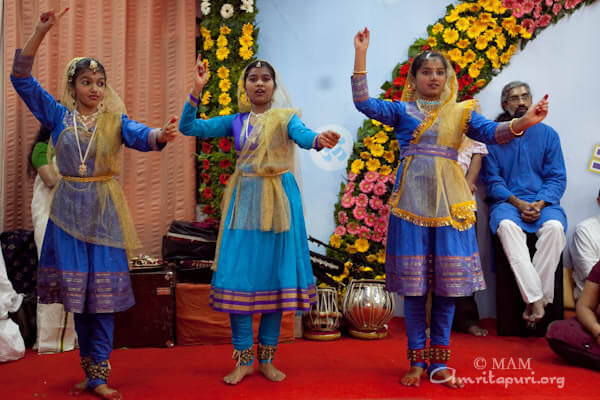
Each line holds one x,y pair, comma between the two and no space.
525,180
583,251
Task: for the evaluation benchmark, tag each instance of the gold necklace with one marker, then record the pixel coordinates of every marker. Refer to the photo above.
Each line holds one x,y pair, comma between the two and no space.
428,106
82,158
88,120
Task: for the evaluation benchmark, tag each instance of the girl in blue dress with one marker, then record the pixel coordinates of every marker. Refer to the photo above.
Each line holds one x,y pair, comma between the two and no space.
262,261
84,258
431,243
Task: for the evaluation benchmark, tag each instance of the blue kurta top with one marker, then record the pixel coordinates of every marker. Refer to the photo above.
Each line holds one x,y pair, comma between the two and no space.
531,168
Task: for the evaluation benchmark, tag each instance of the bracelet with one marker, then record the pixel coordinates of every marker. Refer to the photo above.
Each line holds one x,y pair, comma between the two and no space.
360,72
510,126
193,99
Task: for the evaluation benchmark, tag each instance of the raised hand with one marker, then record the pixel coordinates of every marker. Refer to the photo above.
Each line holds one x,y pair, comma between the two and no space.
328,139
536,114
48,19
200,75
168,132
361,40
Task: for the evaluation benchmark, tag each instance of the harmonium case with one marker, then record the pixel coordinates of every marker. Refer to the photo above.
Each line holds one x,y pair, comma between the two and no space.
151,321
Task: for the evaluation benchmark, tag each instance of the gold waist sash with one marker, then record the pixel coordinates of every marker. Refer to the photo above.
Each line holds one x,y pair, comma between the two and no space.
103,178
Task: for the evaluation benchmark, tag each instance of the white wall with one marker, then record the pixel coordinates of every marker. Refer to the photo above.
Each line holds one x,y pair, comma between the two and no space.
310,44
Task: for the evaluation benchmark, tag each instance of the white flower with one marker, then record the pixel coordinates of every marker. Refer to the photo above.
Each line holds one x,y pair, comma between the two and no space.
247,7
247,3
227,11
205,7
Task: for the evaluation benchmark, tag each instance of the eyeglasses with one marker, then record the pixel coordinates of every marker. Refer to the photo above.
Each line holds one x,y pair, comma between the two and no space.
514,99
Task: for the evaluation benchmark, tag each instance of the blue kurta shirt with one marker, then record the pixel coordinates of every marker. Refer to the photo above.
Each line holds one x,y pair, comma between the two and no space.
531,168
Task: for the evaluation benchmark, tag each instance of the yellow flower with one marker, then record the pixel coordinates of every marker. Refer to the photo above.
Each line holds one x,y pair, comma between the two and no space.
246,53
361,245
470,56
373,164
224,85
223,72
335,241
375,122
208,44
224,99
489,35
463,43
480,63
370,258
394,145
431,42
381,137
385,170
381,258
224,30
203,116
365,155
501,41
247,29
246,40
226,111
437,28
222,53
206,97
492,53
389,157
480,83
452,16
462,62
474,71
455,54
377,150
487,5
525,34
347,266
204,32
505,57
222,41
475,8
481,43
368,142
350,249
388,128
244,98
462,24
450,35
357,166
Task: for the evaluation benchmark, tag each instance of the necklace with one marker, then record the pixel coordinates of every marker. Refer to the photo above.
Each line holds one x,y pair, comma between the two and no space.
428,106
88,120
245,131
82,158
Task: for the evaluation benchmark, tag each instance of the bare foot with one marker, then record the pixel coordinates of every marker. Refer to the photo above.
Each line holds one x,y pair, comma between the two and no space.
413,376
447,378
476,330
79,388
104,392
537,310
238,374
270,372
527,313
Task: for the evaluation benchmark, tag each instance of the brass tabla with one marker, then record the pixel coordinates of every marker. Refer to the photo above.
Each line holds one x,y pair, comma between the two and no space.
368,306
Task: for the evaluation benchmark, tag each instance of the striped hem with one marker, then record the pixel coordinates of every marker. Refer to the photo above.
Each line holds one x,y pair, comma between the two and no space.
262,301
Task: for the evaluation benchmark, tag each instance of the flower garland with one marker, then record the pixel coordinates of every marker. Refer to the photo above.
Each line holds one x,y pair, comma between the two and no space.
480,37
227,41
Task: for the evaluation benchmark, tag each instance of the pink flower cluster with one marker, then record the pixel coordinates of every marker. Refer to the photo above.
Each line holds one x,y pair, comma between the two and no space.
538,13
365,215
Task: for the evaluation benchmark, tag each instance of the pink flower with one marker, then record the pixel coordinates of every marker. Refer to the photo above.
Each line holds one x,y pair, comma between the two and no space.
384,211
537,11
361,200
364,233
342,217
349,188
353,228
528,6
379,189
370,220
365,186
371,176
376,203
556,8
351,176
359,213
377,237
537,1
508,4
517,11
544,20
528,24
347,200
571,4
340,230
381,225
549,2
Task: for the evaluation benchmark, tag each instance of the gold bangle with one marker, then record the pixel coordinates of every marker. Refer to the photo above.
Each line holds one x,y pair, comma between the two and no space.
360,72
510,126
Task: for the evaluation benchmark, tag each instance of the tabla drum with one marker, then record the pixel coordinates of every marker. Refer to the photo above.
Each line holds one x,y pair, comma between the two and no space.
322,322
368,307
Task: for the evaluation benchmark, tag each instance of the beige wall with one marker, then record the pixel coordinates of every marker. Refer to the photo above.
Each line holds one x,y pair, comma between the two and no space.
148,50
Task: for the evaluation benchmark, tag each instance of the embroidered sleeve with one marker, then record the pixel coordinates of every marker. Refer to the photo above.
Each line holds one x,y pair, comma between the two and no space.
360,89
503,134
22,65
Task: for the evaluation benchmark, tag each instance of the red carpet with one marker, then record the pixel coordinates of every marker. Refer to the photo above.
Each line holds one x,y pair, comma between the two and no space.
343,369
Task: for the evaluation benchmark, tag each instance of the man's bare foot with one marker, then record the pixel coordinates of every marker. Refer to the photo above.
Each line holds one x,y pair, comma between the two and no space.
104,392
270,372
527,313
413,376
537,310
79,388
476,330
238,374
447,378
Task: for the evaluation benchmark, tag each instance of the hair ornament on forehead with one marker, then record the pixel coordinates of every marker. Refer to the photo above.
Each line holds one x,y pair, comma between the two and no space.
93,66
258,64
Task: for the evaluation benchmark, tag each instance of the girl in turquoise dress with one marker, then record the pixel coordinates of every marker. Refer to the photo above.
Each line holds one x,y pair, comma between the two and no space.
262,262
